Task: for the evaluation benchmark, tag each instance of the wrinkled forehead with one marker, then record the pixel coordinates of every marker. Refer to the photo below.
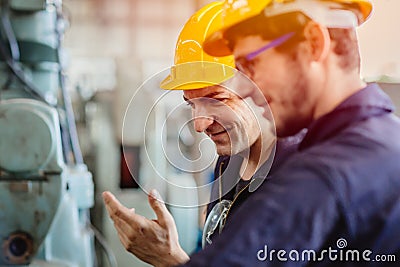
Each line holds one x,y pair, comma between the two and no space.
214,91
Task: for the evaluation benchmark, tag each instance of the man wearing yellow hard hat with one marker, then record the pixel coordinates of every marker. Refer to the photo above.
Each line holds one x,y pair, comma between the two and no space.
244,140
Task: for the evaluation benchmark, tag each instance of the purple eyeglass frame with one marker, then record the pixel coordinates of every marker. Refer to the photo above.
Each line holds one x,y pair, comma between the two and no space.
270,45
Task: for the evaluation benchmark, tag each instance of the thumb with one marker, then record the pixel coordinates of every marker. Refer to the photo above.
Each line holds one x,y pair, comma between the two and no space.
157,204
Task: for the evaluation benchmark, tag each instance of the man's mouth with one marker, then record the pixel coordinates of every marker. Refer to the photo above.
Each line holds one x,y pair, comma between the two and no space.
216,135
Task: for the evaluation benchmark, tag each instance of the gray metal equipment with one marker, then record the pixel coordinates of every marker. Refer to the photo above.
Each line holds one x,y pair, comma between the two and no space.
45,188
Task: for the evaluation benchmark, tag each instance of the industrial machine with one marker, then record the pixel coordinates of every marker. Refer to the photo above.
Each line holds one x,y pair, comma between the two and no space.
45,188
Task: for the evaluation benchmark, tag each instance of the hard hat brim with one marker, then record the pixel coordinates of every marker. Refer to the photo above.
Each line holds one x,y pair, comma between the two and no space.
169,84
197,75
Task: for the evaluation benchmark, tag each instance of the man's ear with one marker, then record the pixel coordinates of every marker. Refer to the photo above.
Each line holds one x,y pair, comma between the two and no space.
318,39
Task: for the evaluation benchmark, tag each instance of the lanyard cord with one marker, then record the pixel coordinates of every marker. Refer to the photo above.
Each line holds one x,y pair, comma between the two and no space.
220,181
233,201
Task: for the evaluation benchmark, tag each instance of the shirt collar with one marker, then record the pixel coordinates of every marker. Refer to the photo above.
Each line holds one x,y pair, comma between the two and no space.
369,102
231,172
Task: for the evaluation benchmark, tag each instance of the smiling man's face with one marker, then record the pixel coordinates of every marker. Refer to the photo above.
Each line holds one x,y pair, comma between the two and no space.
226,118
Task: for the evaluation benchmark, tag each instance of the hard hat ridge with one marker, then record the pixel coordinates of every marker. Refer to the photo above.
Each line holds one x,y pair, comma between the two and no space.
193,68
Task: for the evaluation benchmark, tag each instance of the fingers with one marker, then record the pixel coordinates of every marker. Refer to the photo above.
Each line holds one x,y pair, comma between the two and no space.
113,206
126,222
125,219
163,216
155,242
119,212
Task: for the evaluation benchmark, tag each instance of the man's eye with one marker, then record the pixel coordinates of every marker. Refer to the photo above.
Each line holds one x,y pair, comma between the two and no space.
215,101
220,100
191,104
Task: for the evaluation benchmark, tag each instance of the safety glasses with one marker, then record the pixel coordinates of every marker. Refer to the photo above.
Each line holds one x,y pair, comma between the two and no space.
245,64
216,219
219,213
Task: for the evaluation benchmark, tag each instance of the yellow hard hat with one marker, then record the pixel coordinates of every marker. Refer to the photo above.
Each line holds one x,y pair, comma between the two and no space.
236,11
194,68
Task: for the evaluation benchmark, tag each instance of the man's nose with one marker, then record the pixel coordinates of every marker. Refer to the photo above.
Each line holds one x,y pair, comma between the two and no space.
201,123
244,87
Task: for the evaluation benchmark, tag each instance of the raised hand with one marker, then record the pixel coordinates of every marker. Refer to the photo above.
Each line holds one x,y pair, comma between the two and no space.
153,241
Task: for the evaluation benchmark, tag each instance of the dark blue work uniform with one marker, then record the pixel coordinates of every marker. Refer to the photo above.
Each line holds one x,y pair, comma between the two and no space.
339,193
227,168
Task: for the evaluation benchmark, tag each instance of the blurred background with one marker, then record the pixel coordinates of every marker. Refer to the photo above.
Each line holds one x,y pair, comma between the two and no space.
110,47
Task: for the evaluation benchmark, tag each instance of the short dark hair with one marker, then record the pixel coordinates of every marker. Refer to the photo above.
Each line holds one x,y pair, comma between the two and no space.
344,40
346,47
